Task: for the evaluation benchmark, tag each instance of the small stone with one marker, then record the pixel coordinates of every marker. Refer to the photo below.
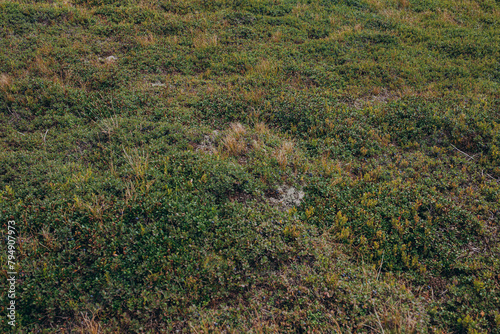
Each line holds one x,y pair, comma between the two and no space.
208,143
158,84
110,59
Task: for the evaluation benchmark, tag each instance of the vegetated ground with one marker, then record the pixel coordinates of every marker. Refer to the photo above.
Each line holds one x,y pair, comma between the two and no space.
251,165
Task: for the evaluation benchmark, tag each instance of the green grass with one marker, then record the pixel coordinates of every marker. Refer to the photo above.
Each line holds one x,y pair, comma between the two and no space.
144,186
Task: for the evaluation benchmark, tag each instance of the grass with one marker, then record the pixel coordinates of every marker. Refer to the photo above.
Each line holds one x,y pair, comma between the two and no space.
145,146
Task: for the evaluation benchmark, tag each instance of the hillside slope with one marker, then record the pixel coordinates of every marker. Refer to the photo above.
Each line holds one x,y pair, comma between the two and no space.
251,166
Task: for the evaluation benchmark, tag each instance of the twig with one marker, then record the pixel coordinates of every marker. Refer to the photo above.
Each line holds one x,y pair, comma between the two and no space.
374,330
336,323
44,246
470,157
380,268
378,319
491,177
45,135
12,113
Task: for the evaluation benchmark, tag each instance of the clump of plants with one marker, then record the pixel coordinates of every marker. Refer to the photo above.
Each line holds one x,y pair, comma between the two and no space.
147,147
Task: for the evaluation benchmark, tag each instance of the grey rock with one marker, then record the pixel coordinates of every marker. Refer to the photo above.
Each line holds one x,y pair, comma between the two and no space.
289,197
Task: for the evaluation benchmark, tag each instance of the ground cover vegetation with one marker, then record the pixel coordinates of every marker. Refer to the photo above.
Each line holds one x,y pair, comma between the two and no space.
147,148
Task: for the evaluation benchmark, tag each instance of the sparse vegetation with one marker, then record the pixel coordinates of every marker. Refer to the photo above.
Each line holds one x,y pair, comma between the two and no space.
146,147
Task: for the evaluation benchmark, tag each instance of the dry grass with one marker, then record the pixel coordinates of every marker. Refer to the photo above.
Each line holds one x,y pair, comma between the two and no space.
80,177
254,95
255,321
109,125
389,314
96,207
5,82
254,114
266,68
403,3
261,128
42,66
89,325
238,129
48,238
376,95
446,16
283,154
173,40
138,161
300,9
45,50
341,34
403,16
203,40
332,20
329,166
257,145
146,40
234,143
276,36
130,193
375,4
376,90
149,4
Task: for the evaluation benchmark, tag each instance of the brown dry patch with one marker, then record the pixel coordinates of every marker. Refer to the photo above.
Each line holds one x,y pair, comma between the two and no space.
253,95
341,34
237,129
202,40
401,15
173,40
89,324
262,129
146,40
297,82
300,9
266,67
376,4
378,96
83,322
437,286
41,65
242,161
447,17
233,142
232,145
96,207
5,82
284,153
403,4
276,36
241,197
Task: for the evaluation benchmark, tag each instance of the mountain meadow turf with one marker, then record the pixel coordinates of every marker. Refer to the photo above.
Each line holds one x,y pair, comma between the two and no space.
251,166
